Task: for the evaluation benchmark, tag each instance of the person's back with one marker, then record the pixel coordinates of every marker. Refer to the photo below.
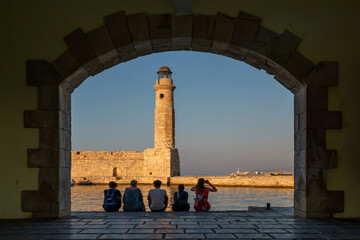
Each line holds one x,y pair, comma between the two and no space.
133,198
181,200
157,198
112,198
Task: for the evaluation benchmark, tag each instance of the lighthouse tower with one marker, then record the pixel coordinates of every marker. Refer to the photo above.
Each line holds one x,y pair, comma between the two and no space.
164,110
163,160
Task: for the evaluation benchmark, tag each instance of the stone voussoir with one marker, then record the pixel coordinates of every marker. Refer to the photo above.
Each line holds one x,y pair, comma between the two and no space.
103,47
245,29
181,32
224,27
202,32
160,32
139,30
117,27
285,47
82,50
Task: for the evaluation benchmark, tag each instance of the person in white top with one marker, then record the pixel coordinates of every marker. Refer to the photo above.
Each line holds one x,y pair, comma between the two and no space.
158,199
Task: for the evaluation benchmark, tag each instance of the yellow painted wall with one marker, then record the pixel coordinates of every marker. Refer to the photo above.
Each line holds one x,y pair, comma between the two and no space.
35,29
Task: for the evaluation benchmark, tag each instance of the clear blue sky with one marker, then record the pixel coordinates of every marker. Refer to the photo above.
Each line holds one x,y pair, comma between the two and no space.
229,115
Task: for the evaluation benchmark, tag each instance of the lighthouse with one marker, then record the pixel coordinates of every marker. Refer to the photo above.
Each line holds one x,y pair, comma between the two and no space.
164,110
162,161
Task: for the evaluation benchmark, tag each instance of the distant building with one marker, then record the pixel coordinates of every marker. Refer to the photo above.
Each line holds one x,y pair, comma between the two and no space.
160,162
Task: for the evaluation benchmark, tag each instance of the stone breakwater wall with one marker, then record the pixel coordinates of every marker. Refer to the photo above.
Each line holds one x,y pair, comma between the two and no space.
239,181
101,167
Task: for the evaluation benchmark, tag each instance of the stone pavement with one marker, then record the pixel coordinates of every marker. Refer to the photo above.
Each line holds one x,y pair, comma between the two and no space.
277,223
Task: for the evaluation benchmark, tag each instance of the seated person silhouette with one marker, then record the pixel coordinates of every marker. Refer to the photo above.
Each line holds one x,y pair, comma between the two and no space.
112,198
202,195
133,198
158,199
181,200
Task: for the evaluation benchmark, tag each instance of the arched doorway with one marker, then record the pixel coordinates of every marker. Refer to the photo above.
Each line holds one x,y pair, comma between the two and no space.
123,38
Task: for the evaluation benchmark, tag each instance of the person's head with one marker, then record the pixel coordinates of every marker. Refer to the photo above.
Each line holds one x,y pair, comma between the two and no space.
181,187
201,184
133,183
157,183
112,184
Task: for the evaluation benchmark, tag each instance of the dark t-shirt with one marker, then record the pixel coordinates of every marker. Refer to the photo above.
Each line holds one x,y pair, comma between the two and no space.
117,194
183,196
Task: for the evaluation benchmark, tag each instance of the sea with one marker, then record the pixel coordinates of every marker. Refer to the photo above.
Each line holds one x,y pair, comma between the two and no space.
90,198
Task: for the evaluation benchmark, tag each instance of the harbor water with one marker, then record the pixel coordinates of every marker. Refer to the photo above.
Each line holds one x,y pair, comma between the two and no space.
90,198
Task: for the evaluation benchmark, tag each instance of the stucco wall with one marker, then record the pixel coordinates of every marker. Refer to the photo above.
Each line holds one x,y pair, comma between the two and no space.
35,30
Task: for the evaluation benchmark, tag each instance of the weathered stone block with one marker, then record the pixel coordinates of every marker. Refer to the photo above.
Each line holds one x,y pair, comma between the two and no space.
271,67
139,31
325,119
324,74
285,47
300,101
65,198
103,47
181,32
321,158
300,140
315,180
65,139
160,32
81,48
49,138
300,159
64,121
256,60
41,73
317,98
202,32
286,79
48,98
49,179
298,65
315,139
37,119
64,158
117,27
224,28
66,64
64,178
300,121
245,29
300,179
40,201
64,101
265,41
300,200
43,158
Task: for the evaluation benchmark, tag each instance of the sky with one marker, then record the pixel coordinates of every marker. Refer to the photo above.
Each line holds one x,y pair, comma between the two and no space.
228,115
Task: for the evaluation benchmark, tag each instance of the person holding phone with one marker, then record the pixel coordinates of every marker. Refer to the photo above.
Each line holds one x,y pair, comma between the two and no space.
202,195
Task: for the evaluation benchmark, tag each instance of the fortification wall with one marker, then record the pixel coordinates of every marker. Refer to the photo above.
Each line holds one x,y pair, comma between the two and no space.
103,166
240,181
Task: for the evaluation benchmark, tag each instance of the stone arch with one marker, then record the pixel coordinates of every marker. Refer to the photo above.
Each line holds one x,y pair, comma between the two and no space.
123,38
